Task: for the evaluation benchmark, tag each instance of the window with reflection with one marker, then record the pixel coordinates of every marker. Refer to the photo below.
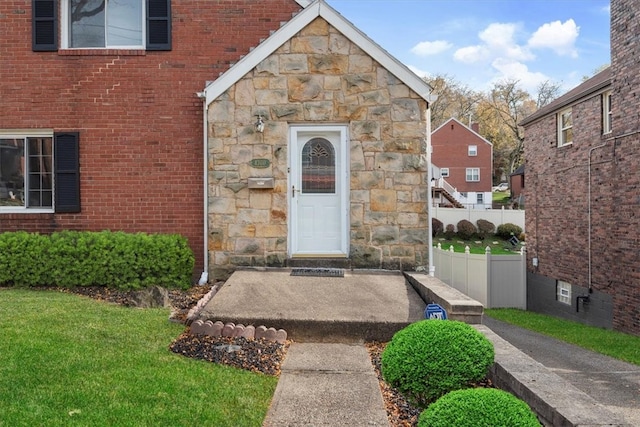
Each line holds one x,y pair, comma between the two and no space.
26,172
318,167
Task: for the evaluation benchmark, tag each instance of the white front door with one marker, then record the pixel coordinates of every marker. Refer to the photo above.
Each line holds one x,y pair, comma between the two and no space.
318,191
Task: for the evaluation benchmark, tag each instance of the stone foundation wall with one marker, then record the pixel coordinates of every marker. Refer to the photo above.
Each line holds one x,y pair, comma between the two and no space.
318,77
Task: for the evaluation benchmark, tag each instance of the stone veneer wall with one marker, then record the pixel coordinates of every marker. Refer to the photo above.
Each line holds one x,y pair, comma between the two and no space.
318,77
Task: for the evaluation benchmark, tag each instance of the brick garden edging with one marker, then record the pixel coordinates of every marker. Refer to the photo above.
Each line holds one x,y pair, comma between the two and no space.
195,311
217,329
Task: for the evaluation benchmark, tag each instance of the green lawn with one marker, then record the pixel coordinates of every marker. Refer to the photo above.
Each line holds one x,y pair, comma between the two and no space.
501,197
67,360
612,343
498,246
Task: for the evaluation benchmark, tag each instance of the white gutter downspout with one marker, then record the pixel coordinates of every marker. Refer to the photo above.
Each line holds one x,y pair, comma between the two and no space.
589,212
432,267
204,277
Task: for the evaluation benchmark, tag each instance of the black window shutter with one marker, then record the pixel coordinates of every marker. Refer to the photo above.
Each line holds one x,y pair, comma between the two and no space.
44,25
158,24
67,171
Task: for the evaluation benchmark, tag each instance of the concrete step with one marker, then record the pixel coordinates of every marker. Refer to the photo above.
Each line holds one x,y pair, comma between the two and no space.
355,308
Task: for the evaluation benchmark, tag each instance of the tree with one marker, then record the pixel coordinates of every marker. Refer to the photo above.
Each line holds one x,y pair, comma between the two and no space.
505,106
454,100
547,92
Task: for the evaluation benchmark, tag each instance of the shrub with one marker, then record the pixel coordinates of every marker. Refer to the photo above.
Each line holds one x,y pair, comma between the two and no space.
485,228
507,230
432,357
437,227
466,229
478,407
450,231
112,259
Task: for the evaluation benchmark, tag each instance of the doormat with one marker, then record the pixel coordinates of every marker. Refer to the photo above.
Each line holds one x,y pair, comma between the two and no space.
318,272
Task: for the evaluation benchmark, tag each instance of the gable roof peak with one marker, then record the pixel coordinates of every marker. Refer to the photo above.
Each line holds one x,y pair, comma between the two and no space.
315,9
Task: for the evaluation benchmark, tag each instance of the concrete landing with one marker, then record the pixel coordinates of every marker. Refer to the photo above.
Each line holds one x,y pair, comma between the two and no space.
361,306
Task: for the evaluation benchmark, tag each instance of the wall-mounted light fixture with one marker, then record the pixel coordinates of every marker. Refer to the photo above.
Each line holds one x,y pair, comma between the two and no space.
259,124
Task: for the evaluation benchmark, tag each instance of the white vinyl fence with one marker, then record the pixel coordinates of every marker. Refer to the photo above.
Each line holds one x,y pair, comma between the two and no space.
496,281
496,216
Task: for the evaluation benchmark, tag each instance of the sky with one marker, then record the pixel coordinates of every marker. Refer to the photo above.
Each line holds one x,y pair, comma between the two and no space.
480,42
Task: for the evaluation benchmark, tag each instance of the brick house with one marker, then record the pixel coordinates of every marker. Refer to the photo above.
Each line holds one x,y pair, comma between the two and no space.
516,186
582,156
107,121
464,160
316,144
117,127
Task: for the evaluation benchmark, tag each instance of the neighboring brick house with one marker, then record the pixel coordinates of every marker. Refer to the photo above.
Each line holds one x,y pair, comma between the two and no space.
582,156
107,122
516,186
316,151
465,161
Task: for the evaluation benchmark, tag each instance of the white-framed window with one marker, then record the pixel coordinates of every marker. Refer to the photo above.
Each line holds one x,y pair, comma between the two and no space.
472,150
444,172
563,292
104,23
565,128
473,174
480,198
39,171
101,24
26,171
606,113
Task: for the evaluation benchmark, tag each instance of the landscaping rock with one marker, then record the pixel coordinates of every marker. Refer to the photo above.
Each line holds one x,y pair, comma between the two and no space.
154,296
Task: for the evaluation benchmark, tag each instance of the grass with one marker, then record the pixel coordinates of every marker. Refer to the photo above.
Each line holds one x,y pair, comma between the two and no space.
611,343
498,246
67,360
501,197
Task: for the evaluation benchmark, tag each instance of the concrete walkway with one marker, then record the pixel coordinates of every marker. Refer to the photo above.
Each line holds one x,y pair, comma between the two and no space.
327,377
611,382
324,384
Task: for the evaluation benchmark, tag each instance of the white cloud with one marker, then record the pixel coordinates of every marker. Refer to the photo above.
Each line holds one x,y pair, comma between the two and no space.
420,73
557,36
499,41
431,48
510,69
471,54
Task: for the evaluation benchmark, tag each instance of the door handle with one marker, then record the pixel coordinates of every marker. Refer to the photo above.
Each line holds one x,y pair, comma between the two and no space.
293,191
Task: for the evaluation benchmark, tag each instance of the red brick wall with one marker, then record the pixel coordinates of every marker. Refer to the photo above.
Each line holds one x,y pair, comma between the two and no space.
450,150
557,192
137,112
623,256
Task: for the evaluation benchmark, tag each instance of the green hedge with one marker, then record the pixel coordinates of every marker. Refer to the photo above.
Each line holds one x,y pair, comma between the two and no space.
81,258
478,407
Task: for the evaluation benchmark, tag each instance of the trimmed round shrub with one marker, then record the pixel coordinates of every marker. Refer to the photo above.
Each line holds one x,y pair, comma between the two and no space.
466,229
478,407
485,228
507,230
437,227
432,357
449,232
